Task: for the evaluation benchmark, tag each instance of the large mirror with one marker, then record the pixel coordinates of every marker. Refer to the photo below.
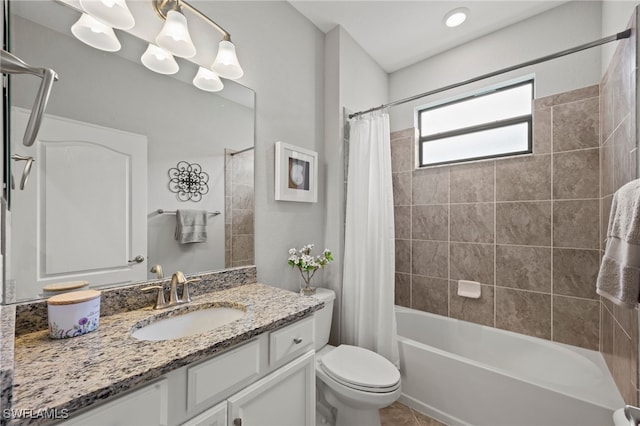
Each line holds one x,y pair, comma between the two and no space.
117,142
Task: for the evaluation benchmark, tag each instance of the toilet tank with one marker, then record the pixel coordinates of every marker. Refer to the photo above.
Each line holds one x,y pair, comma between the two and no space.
322,318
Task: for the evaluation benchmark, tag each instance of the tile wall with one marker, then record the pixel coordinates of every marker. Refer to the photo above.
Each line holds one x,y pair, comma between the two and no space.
526,228
530,229
239,209
618,154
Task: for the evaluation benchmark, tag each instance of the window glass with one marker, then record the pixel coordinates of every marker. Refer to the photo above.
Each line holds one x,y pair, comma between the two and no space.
489,108
491,124
484,144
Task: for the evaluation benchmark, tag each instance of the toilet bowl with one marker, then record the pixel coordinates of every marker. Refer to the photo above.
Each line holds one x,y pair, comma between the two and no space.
355,382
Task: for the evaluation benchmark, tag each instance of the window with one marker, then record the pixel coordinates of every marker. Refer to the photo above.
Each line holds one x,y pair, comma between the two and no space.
491,124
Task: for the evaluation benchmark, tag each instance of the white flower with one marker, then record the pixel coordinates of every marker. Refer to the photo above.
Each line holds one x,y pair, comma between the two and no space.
306,263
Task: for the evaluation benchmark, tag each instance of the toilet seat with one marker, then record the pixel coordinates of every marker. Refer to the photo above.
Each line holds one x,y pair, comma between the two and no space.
360,369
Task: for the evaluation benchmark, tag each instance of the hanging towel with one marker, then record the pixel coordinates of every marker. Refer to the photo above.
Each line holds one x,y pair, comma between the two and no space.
619,276
191,226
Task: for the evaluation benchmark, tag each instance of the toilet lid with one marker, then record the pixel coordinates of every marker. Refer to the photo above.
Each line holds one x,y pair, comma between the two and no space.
361,369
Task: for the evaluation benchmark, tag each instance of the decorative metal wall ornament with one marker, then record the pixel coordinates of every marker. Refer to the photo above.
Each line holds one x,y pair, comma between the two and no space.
188,181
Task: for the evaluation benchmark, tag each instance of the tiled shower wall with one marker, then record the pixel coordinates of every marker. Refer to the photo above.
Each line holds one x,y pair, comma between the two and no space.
526,228
530,229
239,209
618,165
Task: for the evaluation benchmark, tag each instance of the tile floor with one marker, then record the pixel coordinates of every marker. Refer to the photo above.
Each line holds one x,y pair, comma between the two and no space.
400,415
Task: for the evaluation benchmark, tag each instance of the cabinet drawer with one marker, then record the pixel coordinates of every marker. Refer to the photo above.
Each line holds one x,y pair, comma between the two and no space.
291,340
207,382
146,406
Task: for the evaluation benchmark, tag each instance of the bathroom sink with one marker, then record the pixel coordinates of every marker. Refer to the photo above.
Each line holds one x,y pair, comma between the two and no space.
188,324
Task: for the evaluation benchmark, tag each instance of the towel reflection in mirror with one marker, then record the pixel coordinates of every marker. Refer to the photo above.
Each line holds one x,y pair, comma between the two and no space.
191,226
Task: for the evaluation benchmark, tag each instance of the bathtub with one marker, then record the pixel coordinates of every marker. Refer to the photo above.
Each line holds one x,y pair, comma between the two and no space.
467,374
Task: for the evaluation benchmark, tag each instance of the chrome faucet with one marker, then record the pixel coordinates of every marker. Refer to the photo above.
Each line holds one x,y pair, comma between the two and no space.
157,269
176,278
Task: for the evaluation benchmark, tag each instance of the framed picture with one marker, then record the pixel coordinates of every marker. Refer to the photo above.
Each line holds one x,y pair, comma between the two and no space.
296,173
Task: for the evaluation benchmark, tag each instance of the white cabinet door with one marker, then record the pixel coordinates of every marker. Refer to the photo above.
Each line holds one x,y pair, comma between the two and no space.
144,407
82,212
285,397
216,416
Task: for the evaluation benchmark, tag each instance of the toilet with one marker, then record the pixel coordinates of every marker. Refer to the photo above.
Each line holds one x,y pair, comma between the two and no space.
352,382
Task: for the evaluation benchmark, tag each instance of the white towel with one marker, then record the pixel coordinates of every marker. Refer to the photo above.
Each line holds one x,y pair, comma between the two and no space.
619,276
191,226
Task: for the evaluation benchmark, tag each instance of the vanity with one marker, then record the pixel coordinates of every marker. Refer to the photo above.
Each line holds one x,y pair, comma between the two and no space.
257,370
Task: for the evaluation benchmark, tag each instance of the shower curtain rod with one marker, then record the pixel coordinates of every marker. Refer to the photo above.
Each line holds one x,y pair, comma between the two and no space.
241,151
618,36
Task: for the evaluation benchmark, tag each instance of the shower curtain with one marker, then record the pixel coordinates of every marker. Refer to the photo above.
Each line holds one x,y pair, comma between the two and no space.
368,317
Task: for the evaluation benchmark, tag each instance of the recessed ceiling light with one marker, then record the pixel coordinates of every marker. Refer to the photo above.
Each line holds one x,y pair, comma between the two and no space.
456,17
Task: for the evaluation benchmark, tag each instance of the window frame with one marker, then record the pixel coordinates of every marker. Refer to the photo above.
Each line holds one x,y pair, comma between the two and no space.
526,119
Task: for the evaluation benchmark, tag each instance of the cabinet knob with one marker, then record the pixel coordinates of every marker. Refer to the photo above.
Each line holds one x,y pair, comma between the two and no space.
237,422
297,340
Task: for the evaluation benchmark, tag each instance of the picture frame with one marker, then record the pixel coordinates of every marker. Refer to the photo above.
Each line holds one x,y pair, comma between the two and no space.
296,173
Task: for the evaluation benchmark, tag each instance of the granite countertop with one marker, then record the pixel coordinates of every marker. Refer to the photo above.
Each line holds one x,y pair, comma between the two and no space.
73,373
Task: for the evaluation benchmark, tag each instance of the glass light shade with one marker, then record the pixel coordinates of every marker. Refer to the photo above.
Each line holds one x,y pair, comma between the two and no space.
96,34
175,37
159,60
226,63
207,80
114,13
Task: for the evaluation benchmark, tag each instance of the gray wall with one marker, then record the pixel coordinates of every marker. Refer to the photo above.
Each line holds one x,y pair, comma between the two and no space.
353,80
282,54
615,16
568,25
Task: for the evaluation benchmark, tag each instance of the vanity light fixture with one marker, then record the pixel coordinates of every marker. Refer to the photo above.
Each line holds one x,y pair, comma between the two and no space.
113,13
226,63
455,17
96,34
159,60
175,37
207,80
100,17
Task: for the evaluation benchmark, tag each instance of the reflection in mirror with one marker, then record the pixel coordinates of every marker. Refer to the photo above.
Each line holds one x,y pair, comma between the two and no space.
112,132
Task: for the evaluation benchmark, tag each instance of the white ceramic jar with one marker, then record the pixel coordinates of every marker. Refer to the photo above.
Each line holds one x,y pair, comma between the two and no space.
73,314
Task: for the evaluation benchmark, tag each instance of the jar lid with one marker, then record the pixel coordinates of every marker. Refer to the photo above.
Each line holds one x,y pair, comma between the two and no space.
73,297
69,285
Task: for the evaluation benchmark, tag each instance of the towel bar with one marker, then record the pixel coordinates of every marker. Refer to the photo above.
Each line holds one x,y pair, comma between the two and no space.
161,211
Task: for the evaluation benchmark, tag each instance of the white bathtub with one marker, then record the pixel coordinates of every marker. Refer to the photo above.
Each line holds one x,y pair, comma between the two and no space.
467,374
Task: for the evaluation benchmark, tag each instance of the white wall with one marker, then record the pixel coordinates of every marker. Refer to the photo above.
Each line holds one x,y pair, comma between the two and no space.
615,18
353,80
282,54
566,26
